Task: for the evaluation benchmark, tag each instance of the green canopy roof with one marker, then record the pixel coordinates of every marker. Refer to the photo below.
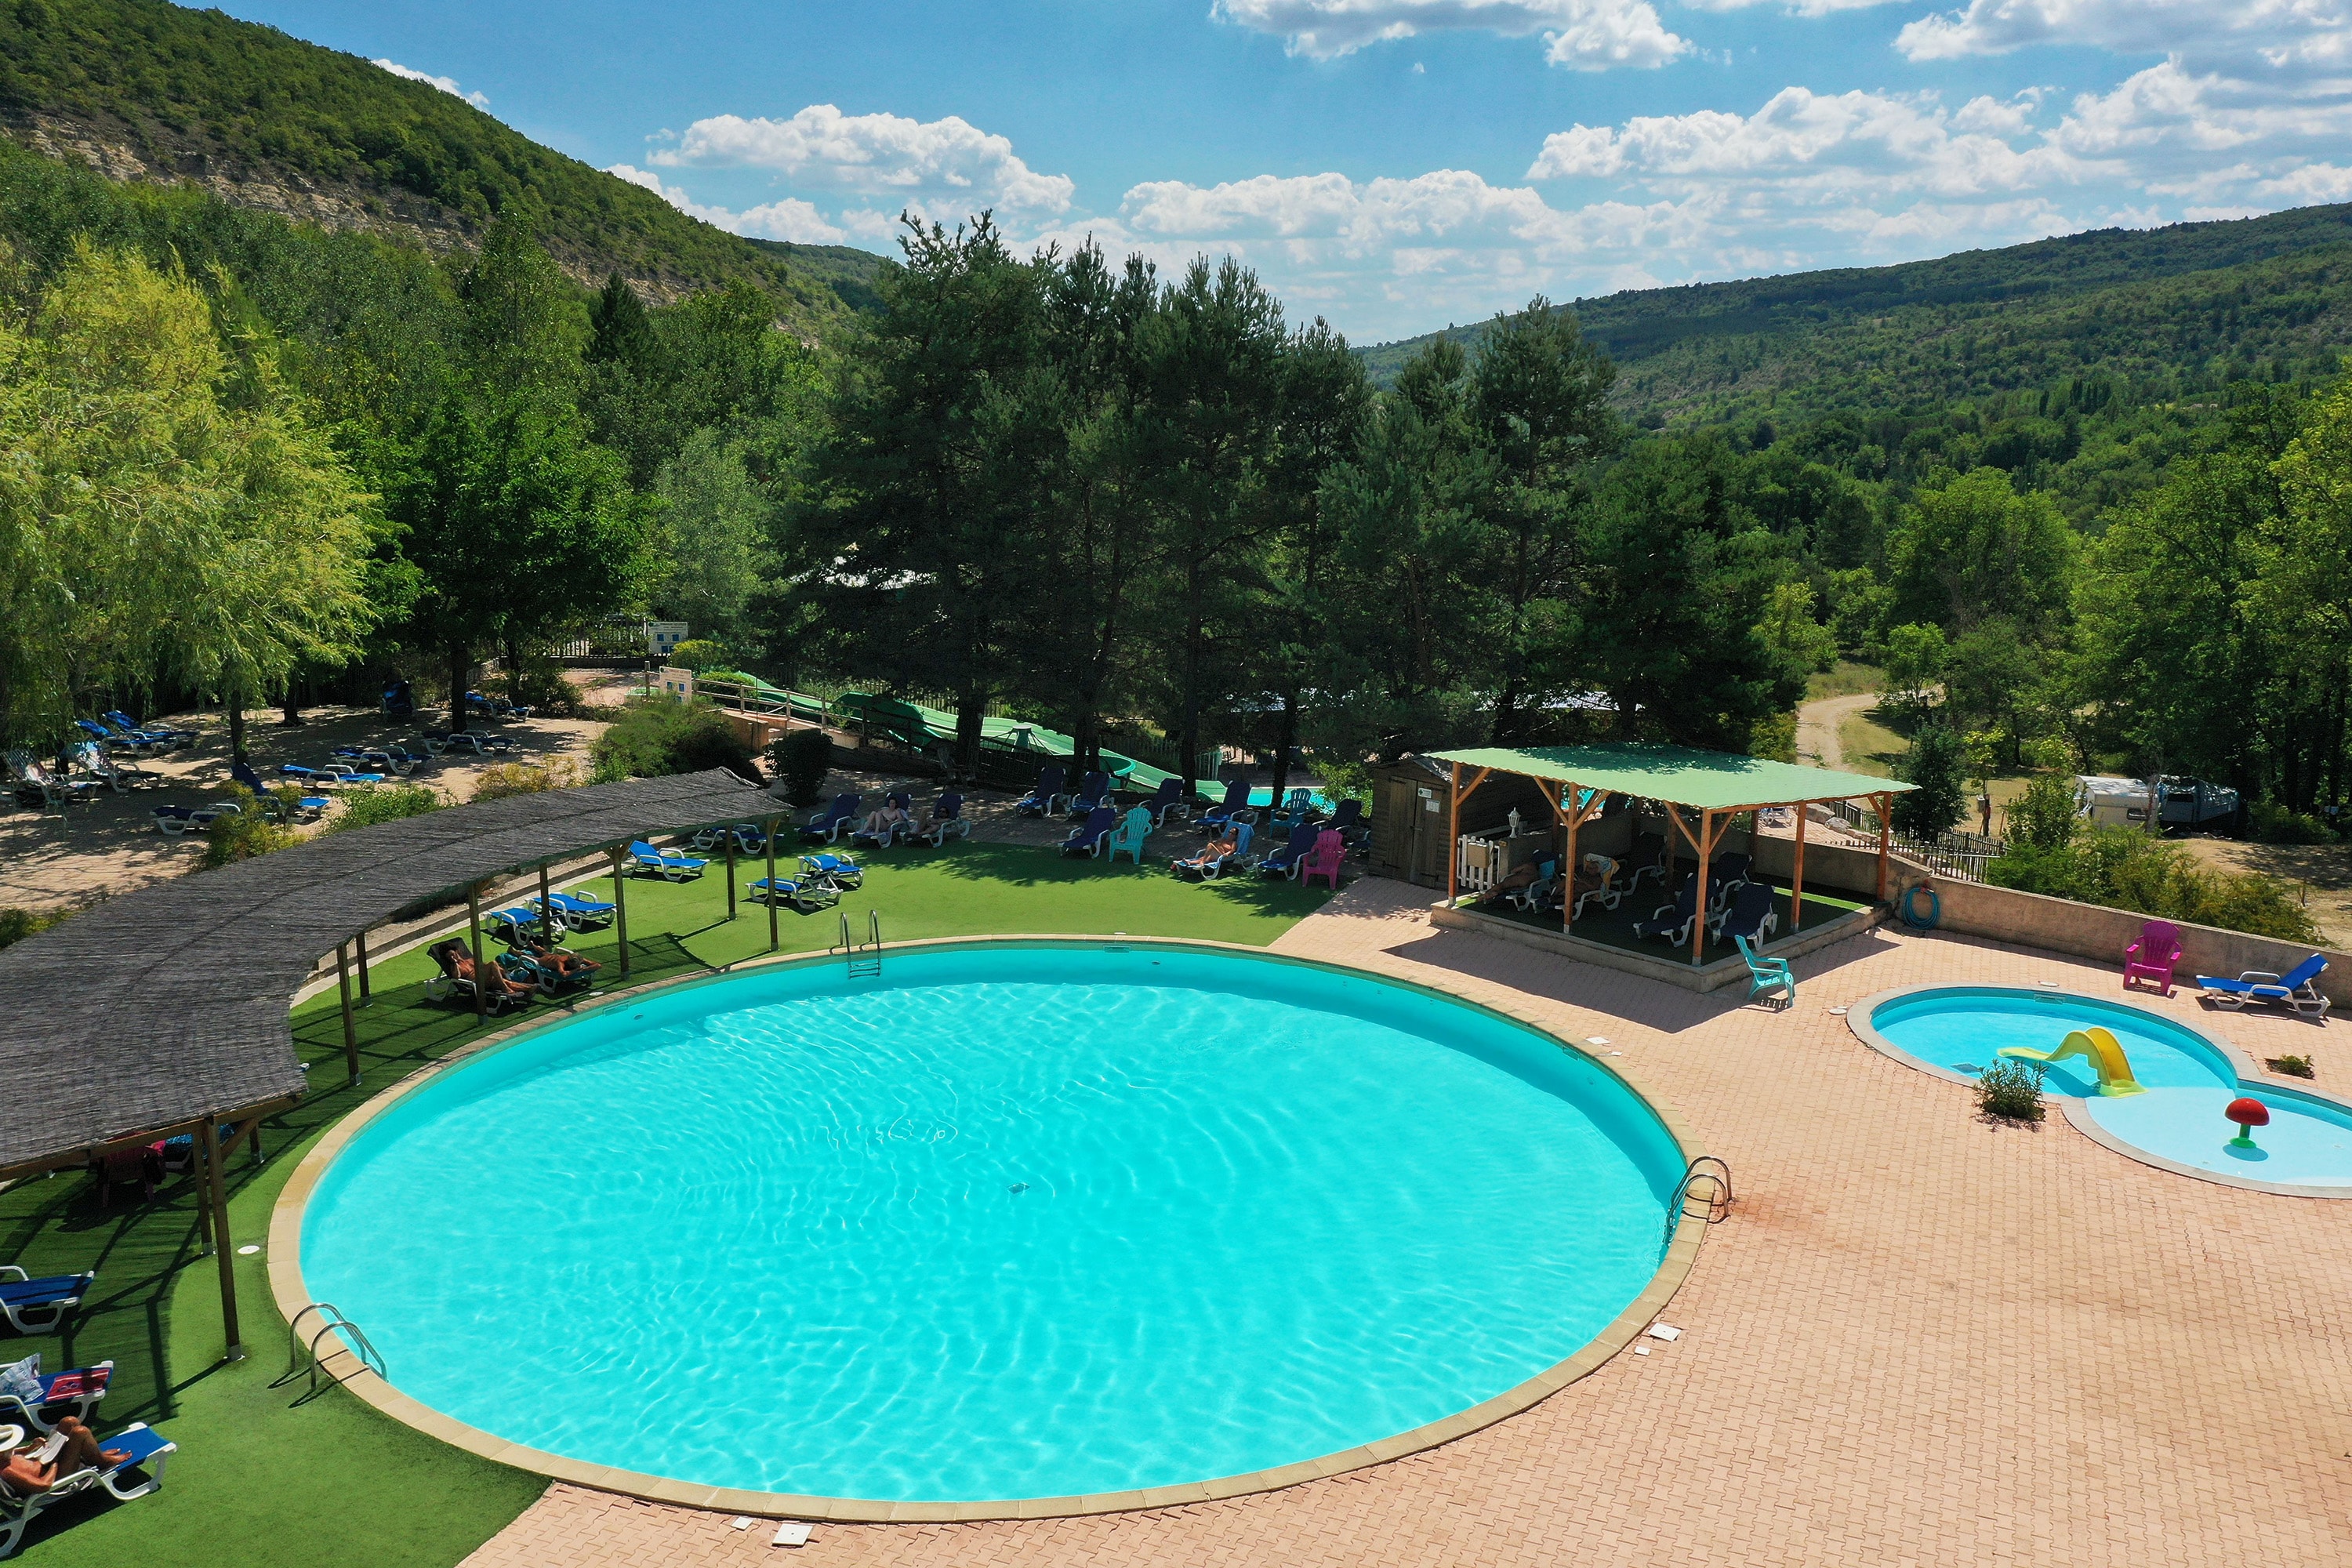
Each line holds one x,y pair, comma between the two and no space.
1710,781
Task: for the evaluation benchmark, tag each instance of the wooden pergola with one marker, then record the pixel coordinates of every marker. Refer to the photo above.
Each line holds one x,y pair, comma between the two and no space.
1720,786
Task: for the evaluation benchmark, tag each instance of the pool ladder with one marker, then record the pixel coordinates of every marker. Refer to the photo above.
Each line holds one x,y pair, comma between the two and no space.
865,958
350,1343
1705,1193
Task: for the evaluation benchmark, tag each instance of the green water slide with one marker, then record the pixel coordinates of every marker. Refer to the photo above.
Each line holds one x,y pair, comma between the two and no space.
921,729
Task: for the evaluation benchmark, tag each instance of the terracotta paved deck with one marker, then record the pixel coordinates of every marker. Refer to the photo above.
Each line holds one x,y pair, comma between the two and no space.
1920,1340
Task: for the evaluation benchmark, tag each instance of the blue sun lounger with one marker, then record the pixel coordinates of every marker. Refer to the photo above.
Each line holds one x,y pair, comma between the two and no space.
141,1447
1046,797
1234,808
808,895
81,1387
1285,861
839,870
667,864
2297,989
835,820
581,914
38,1306
1089,837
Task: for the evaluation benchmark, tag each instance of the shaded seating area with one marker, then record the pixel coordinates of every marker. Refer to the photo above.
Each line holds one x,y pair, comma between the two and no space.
231,947
1643,812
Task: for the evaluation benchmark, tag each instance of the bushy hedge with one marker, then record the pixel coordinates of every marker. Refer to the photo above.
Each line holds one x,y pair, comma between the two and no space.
2124,869
654,736
801,758
15,925
385,803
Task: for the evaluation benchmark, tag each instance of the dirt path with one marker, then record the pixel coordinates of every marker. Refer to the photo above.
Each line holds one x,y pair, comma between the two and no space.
1817,726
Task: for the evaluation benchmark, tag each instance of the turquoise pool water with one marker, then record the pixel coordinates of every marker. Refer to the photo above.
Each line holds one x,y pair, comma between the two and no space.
2188,1080
1010,1221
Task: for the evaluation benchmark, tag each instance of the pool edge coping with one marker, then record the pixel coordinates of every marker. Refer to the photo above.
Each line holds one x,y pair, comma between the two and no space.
2250,1073
290,1295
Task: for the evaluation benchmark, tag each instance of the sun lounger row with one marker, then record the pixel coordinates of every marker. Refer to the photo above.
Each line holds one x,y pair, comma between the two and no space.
56,1406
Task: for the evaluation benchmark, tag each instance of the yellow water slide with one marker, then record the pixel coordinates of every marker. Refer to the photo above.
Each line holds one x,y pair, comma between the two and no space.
2105,1052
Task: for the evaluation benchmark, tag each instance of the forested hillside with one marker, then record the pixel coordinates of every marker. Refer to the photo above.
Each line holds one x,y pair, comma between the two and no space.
141,88
2157,315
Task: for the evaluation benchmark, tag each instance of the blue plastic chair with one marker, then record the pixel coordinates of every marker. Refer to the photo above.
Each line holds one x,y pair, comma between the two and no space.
1768,974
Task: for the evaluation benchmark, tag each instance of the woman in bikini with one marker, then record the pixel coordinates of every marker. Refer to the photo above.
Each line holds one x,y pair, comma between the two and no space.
23,1472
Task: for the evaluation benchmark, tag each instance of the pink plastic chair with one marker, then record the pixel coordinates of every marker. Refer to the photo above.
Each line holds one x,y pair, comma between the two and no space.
1323,860
2153,955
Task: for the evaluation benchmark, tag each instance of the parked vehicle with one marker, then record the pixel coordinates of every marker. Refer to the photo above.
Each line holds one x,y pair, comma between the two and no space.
2182,801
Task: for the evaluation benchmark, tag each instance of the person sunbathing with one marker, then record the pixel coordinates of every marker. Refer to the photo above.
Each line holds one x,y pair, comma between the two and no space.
570,966
24,1473
461,965
887,820
1210,854
1527,876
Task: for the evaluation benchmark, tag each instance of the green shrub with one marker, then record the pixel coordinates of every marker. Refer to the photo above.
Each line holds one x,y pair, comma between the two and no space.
1774,738
2124,869
801,758
2012,1090
246,832
1936,763
526,778
2271,822
654,736
2292,1066
699,654
15,925
385,803
541,687
2046,816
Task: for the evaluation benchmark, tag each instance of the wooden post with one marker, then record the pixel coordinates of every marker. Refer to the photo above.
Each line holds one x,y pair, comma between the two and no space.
360,942
731,872
1797,882
1567,883
772,824
1698,902
621,910
1453,837
481,969
350,1032
546,907
1879,804
217,1194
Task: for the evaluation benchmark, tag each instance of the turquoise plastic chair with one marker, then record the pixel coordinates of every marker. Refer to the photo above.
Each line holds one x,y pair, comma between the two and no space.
1129,837
1767,973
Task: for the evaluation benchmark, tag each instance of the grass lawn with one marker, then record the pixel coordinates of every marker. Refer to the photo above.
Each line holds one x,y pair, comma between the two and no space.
258,1482
1869,746
1844,678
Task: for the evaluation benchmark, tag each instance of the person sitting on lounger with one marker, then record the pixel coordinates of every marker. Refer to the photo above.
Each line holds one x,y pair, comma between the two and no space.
461,964
883,823
1198,865
24,1473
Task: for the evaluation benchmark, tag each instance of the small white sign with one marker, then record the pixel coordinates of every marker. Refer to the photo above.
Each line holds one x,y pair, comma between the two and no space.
1666,1331
791,1533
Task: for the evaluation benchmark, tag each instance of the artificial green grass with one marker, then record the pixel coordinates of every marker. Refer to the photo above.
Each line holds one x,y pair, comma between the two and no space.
259,1481
1615,927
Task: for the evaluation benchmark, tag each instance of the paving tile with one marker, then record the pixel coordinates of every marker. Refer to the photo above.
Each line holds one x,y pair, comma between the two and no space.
1919,1338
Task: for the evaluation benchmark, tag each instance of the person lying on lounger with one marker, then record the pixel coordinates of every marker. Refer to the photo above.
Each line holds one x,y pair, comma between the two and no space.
1210,854
1526,876
888,819
24,1473
570,966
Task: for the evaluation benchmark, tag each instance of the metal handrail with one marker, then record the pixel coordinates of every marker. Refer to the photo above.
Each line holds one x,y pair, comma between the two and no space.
304,1356
1718,1198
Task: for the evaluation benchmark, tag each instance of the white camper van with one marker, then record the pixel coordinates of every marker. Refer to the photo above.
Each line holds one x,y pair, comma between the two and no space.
2183,802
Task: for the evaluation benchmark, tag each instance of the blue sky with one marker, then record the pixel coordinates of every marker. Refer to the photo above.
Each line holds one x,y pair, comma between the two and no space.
1396,165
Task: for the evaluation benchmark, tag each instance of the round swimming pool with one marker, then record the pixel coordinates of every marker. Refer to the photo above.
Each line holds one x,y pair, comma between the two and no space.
2186,1076
1008,1221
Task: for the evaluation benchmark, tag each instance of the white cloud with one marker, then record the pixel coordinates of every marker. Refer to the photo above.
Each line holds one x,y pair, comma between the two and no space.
1583,35
1852,146
1794,8
789,219
446,84
876,155
2295,35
